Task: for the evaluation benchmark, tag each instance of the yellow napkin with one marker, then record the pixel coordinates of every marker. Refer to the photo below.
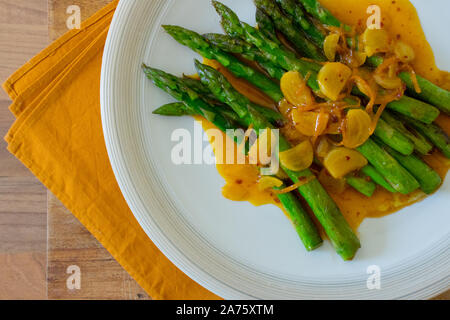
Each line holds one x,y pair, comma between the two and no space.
58,136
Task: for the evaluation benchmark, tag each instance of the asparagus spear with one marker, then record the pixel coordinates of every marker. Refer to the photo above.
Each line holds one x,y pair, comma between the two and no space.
430,92
199,44
410,107
428,178
286,25
314,8
180,109
361,184
193,105
180,91
397,176
230,44
272,50
295,11
302,222
266,26
176,109
432,132
288,61
344,240
415,109
304,226
393,138
377,177
239,46
198,87
273,116
421,145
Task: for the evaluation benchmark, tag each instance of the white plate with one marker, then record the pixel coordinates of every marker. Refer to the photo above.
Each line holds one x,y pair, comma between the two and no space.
234,249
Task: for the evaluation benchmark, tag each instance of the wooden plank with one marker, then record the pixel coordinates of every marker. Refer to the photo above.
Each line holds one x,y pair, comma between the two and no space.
23,206
69,243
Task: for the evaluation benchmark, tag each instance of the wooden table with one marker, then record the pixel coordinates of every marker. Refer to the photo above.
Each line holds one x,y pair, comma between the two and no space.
69,243
23,202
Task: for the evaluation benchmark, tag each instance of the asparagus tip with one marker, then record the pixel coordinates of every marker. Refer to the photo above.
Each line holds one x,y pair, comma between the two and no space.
157,111
221,8
148,70
215,3
171,29
175,109
203,69
197,63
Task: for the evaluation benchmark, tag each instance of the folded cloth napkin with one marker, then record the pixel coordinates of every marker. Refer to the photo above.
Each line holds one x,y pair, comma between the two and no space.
58,136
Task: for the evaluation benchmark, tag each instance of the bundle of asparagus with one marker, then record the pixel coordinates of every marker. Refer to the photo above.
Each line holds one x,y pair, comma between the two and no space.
392,155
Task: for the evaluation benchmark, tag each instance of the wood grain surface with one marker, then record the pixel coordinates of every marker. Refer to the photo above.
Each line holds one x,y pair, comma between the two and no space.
23,206
69,243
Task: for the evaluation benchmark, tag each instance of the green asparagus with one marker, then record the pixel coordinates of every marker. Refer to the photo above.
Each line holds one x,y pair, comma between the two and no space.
406,128
315,9
430,92
193,101
302,222
421,145
176,109
432,132
273,116
286,25
397,176
429,179
272,50
292,8
304,226
288,61
377,177
199,44
362,185
341,235
266,26
393,138
414,109
249,52
198,87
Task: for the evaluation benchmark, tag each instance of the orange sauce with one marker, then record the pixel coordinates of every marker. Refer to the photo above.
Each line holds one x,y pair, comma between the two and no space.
401,20
241,179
